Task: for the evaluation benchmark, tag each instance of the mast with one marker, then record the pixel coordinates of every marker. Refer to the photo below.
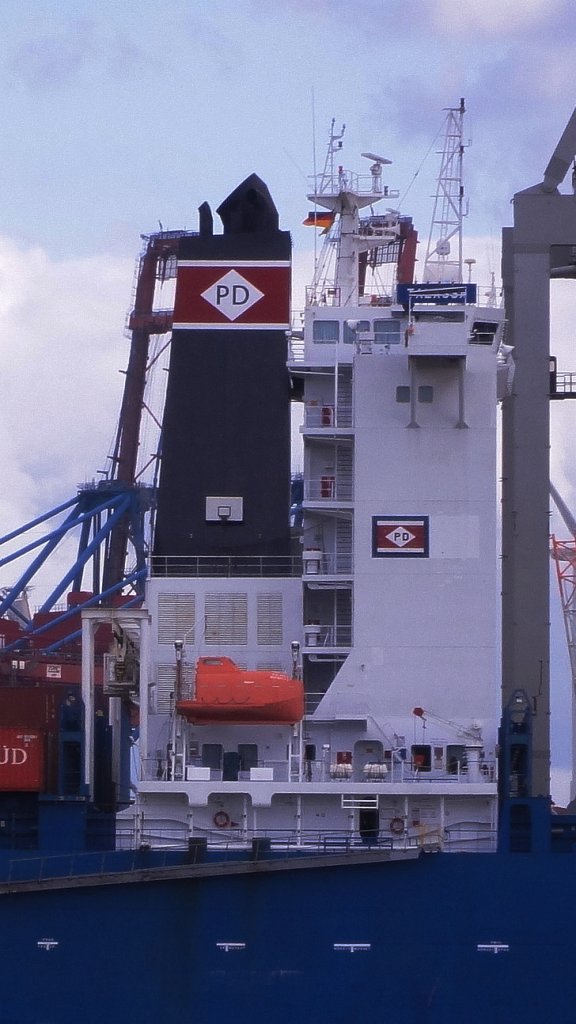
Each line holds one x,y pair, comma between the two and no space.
344,194
157,262
444,253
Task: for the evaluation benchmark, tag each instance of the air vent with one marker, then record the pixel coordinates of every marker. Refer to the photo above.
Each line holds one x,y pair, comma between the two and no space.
269,619
226,619
176,618
165,683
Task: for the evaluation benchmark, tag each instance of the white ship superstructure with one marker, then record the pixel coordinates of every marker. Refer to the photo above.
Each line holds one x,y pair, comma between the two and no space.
387,607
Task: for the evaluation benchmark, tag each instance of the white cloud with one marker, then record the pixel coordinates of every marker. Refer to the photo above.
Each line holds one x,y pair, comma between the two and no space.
61,350
492,17
561,780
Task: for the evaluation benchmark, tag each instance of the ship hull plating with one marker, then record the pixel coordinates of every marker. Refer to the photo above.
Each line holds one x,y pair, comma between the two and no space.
262,946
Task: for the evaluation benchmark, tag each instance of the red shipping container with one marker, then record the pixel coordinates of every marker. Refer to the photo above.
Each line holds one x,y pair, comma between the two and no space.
21,760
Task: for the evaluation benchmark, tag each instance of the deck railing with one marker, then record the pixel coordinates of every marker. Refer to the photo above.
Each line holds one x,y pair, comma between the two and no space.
322,771
329,488
226,566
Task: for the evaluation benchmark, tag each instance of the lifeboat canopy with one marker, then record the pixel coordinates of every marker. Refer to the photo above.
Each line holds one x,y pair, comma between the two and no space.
223,692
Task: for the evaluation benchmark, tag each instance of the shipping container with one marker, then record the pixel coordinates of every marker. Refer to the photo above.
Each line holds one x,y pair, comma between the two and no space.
21,760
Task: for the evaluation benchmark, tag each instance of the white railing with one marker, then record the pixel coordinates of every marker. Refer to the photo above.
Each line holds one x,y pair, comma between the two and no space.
329,488
316,562
392,834
326,416
225,566
327,635
326,770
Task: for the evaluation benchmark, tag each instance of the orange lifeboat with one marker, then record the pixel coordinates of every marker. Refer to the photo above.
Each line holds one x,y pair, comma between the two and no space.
225,693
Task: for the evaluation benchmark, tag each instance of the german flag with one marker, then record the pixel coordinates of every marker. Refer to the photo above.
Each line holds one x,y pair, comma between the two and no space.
320,219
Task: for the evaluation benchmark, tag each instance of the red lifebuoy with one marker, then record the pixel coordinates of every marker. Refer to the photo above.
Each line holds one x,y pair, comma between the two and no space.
221,819
397,826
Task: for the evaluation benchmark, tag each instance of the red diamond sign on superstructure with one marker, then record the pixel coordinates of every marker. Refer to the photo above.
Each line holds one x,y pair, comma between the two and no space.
400,536
232,295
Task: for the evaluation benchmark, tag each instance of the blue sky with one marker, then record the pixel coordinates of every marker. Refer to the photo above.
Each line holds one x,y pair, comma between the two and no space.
119,114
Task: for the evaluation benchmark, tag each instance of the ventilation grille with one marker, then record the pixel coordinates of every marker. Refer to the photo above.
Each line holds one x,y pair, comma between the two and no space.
176,618
226,619
269,624
165,683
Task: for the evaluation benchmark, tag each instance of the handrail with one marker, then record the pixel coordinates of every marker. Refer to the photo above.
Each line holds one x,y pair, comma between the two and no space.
226,566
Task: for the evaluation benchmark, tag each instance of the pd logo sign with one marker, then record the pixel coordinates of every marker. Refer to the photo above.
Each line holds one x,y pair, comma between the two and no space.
400,537
242,294
232,295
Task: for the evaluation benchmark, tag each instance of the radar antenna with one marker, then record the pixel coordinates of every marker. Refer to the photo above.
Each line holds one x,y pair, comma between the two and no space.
376,170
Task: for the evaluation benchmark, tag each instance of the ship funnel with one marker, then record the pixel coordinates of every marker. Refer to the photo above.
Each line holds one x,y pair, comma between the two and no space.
249,209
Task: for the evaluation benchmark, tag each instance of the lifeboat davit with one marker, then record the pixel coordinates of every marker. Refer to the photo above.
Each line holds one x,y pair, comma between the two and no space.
225,693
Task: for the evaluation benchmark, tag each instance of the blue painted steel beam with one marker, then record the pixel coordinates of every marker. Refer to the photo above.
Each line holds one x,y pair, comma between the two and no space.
40,519
134,577
82,542
31,571
87,554
69,523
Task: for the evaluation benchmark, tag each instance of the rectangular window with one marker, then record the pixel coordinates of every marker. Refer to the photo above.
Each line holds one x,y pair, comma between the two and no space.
403,393
483,332
387,332
325,332
421,759
350,334
212,755
248,753
425,393
455,759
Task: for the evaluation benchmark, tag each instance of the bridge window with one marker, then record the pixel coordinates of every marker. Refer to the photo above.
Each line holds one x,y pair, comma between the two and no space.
325,332
387,332
483,332
350,335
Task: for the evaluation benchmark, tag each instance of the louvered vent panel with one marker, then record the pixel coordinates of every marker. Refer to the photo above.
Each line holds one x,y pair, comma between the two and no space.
176,618
165,683
344,407
269,624
226,619
343,545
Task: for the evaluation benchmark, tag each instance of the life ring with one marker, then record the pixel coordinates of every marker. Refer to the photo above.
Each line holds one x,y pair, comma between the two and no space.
397,826
221,819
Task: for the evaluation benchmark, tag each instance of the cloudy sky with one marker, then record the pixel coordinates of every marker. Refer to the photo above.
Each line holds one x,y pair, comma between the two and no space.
121,114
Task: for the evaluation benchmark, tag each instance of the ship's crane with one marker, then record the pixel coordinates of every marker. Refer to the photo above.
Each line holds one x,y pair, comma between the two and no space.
472,733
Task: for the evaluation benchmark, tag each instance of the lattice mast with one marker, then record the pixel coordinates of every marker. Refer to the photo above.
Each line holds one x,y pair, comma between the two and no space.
444,252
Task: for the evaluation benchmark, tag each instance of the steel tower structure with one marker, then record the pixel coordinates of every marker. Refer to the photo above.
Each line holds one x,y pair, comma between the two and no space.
107,516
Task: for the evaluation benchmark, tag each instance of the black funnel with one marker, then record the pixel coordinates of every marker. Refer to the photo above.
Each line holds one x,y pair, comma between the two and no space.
249,208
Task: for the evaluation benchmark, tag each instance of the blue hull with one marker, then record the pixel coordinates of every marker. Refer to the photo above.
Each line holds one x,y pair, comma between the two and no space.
149,951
